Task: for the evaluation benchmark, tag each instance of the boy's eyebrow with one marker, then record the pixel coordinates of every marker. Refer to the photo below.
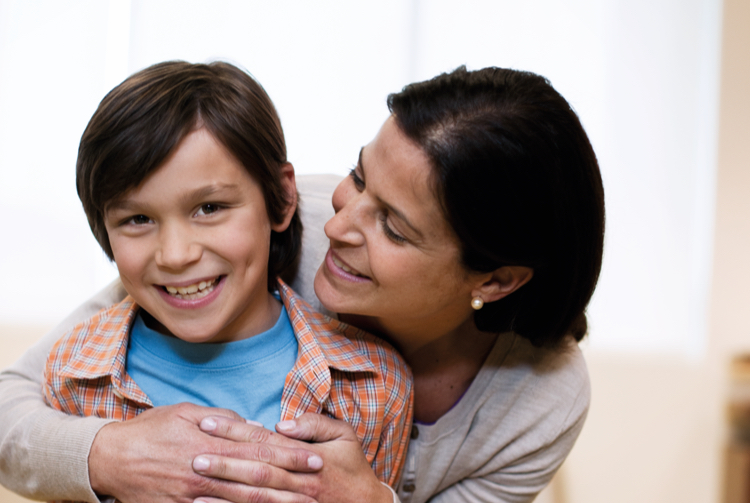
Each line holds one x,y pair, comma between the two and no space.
208,190
125,203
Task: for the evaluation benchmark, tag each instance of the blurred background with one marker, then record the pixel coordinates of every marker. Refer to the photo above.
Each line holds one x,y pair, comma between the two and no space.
660,85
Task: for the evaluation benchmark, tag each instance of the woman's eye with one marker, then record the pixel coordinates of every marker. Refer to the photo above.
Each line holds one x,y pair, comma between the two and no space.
207,209
138,220
390,232
358,182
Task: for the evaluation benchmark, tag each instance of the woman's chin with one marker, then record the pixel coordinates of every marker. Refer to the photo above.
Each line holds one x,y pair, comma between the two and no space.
327,293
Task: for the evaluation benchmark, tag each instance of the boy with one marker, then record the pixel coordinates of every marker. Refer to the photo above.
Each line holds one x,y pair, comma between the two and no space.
183,176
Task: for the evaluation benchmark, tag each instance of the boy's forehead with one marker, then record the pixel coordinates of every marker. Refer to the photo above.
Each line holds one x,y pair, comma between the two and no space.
200,167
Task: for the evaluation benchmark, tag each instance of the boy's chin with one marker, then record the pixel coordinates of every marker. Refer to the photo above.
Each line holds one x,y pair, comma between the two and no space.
176,331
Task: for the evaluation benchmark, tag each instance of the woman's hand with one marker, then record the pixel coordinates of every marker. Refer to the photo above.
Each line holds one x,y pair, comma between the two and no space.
150,458
346,475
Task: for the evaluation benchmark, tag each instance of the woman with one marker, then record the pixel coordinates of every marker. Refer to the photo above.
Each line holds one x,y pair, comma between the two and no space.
470,236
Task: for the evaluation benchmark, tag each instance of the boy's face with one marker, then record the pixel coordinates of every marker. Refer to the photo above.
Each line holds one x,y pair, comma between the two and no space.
192,242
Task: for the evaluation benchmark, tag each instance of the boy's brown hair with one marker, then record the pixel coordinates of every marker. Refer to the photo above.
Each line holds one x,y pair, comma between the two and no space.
142,120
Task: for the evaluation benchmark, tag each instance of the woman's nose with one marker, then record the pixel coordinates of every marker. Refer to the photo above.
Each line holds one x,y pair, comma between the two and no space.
177,248
346,226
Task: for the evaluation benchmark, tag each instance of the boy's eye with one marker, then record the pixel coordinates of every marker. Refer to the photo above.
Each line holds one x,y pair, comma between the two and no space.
139,220
207,209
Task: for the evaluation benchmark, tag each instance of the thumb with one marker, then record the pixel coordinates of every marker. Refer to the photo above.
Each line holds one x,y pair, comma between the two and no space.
313,427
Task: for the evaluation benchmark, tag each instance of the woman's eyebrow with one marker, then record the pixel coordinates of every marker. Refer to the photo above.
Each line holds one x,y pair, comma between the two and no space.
400,214
401,217
359,162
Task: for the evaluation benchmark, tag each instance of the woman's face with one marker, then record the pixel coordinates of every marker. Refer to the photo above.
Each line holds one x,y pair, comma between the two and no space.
393,256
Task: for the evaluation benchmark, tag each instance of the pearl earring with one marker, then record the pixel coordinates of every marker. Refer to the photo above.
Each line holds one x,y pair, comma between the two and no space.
477,302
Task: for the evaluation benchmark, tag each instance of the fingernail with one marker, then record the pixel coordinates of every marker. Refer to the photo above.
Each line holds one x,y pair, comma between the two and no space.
286,425
253,423
208,424
201,464
315,462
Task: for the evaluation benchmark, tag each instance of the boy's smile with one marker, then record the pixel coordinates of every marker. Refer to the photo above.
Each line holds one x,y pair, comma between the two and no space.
192,244
194,291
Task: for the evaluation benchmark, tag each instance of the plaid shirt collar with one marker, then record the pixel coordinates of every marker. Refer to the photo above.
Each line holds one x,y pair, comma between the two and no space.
323,344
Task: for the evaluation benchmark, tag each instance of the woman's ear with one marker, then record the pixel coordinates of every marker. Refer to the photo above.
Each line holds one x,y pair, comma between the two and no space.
289,185
503,282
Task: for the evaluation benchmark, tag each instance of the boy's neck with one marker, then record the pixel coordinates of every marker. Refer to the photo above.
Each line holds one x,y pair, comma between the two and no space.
271,315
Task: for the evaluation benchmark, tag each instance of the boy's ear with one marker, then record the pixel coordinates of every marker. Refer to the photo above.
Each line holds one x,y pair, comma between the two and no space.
289,185
502,282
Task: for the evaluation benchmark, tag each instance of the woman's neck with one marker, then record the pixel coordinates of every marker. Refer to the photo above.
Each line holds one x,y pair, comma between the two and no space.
443,365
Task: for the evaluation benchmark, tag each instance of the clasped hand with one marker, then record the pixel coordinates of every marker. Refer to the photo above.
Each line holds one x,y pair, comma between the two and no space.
187,453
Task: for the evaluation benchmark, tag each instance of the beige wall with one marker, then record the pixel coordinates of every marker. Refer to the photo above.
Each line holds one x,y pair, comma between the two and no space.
730,306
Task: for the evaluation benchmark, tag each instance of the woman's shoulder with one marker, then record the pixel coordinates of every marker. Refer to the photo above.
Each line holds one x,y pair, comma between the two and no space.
542,386
318,186
552,372
564,362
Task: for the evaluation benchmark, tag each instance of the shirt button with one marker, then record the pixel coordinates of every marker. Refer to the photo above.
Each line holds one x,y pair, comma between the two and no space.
414,432
409,487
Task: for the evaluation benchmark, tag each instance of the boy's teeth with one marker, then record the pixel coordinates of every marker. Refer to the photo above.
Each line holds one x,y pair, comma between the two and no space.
192,292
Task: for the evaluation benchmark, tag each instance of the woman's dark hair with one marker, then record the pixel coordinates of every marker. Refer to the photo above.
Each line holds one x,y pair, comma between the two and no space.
519,184
142,120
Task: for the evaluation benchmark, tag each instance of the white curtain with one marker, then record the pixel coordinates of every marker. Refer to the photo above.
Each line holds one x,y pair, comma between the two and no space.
643,76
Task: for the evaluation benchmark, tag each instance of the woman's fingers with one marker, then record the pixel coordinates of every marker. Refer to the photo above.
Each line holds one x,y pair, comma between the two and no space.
256,443
256,480
346,477
148,457
260,495
311,427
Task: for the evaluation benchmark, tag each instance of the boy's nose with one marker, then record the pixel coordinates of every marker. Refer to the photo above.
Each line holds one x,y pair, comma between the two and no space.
177,250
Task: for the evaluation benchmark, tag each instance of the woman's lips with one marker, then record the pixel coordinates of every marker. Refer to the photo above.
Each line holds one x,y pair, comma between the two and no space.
342,270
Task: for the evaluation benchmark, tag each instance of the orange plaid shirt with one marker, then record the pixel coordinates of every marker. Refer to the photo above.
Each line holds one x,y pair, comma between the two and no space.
340,371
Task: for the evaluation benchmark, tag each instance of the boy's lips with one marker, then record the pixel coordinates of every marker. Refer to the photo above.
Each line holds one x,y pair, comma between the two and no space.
341,269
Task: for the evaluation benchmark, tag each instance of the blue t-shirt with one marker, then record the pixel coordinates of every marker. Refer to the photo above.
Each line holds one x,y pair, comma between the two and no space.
246,376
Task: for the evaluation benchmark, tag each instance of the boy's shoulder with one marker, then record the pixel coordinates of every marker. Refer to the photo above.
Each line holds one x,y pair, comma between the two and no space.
370,384
344,346
95,343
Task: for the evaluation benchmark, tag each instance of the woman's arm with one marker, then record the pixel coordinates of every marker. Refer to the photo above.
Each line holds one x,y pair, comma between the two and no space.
45,452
